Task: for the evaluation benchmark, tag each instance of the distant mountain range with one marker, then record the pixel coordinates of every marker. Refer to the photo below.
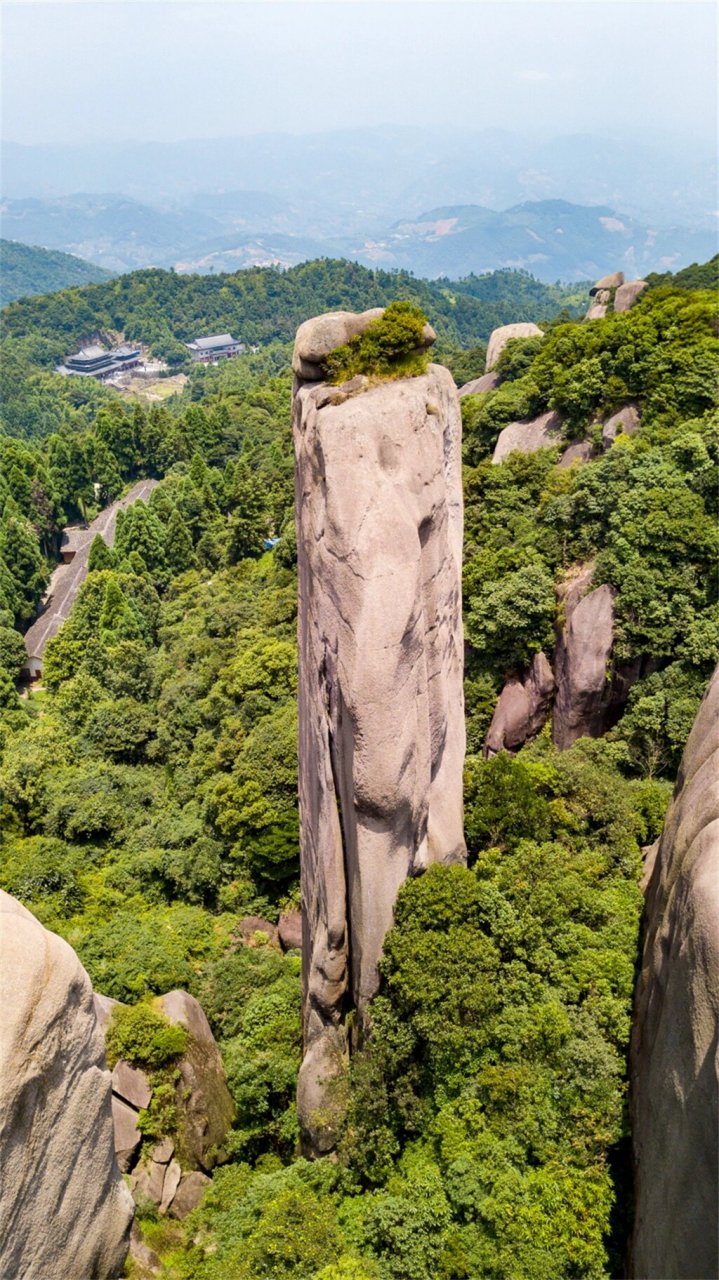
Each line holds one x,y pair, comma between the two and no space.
26,270
226,231
365,179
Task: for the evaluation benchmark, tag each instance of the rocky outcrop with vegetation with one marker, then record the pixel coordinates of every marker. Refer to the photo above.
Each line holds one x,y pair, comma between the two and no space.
379,534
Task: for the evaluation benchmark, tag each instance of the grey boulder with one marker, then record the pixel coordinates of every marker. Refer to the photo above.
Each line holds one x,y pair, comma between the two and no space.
582,661
674,1063
580,451
527,437
289,929
205,1108
607,283
65,1210
624,422
499,338
522,708
487,382
627,294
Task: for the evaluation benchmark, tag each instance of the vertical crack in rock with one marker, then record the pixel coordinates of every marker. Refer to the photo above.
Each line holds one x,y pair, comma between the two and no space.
381,733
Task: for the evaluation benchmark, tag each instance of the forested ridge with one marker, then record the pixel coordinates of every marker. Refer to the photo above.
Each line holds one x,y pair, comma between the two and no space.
149,788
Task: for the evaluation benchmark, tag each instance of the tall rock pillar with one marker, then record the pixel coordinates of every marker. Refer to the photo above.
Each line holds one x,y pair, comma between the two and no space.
675,1036
381,735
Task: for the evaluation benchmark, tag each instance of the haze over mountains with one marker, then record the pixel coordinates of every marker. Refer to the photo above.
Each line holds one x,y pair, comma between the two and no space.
434,202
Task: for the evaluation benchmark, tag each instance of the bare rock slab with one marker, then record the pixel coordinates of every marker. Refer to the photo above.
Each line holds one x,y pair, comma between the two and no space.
189,1193
627,294
522,708
65,1210
625,421
127,1136
289,929
499,338
487,382
205,1107
131,1084
527,437
674,1065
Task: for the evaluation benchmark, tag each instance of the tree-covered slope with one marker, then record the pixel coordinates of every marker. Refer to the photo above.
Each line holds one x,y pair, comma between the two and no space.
27,269
264,304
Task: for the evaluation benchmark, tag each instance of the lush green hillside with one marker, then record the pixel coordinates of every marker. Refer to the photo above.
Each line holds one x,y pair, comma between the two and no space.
263,305
149,793
26,269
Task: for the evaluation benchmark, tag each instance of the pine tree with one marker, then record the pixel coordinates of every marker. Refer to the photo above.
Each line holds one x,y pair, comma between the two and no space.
179,551
100,557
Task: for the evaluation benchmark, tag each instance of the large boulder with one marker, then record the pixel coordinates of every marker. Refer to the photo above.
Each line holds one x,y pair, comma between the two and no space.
607,283
381,722
317,338
581,451
487,382
499,338
627,294
624,422
522,708
65,1210
675,1037
527,437
582,661
204,1104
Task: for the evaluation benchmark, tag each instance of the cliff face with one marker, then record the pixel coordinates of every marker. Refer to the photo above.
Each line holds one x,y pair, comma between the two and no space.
65,1209
676,1022
379,523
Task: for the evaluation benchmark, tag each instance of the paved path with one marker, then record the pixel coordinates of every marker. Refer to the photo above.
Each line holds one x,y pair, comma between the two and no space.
67,579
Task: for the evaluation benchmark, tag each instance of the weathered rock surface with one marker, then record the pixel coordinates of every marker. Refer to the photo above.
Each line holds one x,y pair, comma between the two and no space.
126,1135
289,929
250,926
316,338
582,660
379,532
580,451
528,437
499,338
487,382
674,1064
625,421
627,294
612,281
189,1193
65,1210
131,1084
204,1102
597,311
522,708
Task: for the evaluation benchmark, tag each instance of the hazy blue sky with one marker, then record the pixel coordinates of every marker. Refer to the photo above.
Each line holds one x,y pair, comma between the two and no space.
126,68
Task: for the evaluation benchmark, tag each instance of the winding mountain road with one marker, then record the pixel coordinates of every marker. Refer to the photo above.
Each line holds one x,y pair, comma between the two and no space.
67,579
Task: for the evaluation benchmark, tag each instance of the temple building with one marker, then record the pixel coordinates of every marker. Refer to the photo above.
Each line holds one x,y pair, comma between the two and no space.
96,362
221,346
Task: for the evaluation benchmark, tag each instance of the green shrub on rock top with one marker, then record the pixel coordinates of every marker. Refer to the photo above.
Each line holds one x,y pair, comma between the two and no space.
390,348
142,1036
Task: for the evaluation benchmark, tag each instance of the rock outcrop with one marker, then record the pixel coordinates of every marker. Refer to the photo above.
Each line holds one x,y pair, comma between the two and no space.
582,661
624,422
675,1039
379,533
528,437
627,294
487,382
317,338
160,1170
612,289
522,708
499,338
65,1210
580,451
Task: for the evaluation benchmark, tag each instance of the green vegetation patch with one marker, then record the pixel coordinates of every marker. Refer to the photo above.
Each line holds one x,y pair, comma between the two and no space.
143,1037
392,347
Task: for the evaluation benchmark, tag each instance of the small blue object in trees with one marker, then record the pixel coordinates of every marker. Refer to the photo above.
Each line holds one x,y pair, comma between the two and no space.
269,543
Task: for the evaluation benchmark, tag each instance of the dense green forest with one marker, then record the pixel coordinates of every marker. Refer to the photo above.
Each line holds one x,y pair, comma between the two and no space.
26,269
149,788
